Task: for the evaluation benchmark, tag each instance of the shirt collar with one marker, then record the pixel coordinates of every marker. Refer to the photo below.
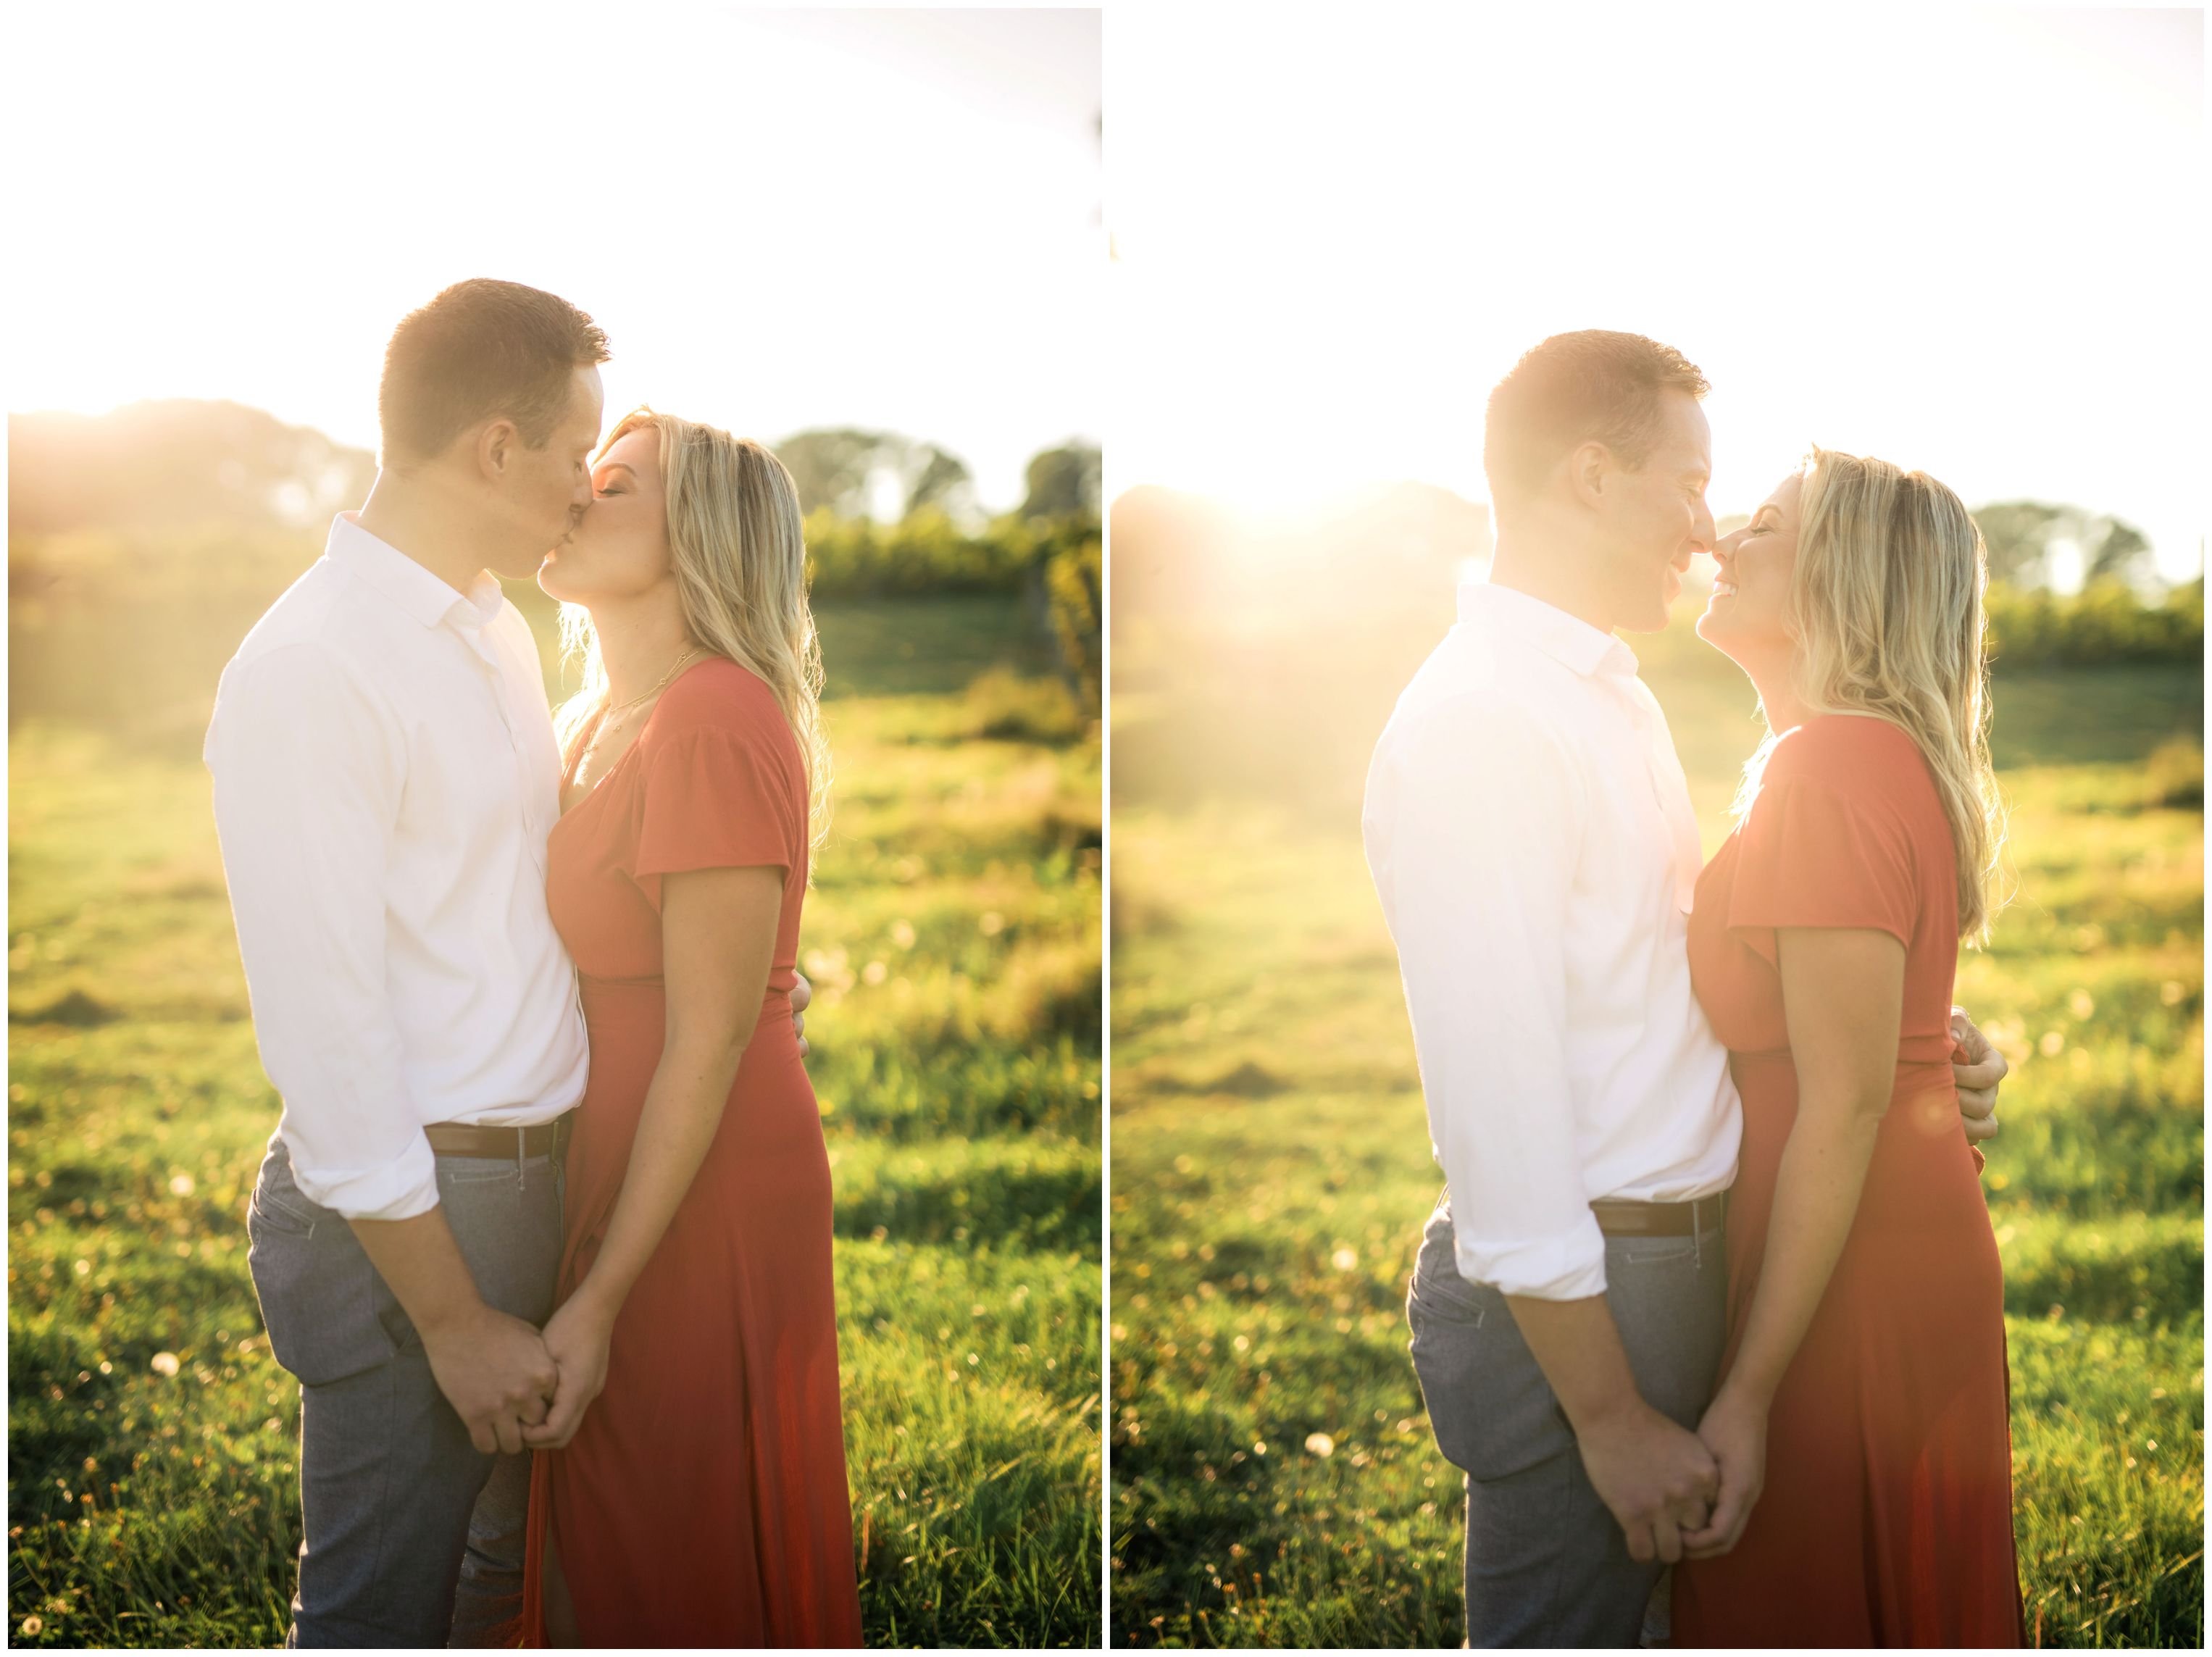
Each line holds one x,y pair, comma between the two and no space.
382,567
1509,612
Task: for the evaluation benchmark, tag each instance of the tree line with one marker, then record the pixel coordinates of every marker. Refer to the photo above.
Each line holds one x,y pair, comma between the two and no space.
184,520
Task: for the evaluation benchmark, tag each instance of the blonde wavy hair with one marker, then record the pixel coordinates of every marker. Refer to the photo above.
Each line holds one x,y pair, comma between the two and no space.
1886,611
737,544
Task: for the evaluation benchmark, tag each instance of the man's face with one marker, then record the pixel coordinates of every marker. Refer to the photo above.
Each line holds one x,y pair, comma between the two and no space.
1650,520
545,491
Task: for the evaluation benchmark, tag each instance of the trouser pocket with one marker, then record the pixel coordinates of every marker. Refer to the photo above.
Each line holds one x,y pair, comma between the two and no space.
1492,1411
318,1290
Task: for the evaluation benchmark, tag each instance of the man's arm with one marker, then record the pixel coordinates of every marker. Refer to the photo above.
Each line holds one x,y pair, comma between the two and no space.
494,1370
1477,814
1657,1476
307,786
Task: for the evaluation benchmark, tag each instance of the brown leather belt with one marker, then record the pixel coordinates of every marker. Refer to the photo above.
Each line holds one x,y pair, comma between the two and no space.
467,1139
1617,1219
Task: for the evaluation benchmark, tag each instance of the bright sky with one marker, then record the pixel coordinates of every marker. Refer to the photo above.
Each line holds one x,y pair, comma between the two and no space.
1969,241
782,219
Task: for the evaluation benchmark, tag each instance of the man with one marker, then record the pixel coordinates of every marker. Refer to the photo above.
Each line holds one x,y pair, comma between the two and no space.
385,776
1530,834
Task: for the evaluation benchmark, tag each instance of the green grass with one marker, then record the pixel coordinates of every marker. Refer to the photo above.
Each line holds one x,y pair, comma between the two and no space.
1271,1171
953,941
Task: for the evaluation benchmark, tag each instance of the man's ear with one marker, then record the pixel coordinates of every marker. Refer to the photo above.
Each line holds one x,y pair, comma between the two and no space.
495,444
1589,470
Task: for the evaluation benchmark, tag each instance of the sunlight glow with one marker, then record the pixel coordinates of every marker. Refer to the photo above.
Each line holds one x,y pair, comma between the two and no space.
1965,241
782,219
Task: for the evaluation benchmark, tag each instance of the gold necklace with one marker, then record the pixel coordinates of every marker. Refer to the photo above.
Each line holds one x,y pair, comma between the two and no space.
666,679
600,729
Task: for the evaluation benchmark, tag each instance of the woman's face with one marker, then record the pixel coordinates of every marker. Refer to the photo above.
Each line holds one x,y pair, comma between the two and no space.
620,549
1751,595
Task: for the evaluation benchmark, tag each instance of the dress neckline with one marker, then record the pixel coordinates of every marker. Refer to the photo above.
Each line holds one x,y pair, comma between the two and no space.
615,770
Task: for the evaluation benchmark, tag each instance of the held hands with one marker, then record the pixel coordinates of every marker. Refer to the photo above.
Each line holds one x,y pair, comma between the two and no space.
1657,1479
496,1373
577,1336
802,995
1734,1430
1979,1068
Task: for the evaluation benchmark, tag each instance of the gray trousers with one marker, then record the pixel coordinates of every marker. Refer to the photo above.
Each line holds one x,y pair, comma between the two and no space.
412,1536
1546,1563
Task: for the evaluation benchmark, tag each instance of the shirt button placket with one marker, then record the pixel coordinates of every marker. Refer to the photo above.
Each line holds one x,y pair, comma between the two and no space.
487,656
1666,789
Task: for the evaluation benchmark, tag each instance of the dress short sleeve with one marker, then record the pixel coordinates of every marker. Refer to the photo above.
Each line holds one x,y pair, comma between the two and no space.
715,797
1818,854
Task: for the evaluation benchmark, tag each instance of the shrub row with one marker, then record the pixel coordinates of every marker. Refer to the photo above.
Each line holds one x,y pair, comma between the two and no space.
926,552
2105,624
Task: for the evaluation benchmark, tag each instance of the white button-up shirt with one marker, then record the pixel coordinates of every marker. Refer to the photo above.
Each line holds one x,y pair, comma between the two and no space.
1531,836
386,775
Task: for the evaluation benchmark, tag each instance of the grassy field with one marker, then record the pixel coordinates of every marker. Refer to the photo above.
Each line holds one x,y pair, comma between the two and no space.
1275,1481
953,942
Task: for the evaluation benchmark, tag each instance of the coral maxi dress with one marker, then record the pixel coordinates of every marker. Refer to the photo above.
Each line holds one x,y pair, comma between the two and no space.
1887,1516
702,1501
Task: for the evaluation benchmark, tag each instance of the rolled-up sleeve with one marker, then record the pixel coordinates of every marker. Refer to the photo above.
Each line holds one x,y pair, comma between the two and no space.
308,774
1471,824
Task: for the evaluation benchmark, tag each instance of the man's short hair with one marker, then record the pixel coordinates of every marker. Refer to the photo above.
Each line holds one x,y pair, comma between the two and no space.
1573,389
481,349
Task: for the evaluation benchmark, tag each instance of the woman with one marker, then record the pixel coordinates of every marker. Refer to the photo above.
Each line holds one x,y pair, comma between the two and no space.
692,1490
1864,1382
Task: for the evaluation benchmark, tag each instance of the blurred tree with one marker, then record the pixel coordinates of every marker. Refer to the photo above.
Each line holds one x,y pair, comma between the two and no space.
1064,483
841,468
2124,552
943,481
2018,534
831,467
2021,534
176,464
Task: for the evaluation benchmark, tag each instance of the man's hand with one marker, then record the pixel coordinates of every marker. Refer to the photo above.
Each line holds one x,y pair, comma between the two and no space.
1734,1430
1978,1068
802,996
1657,1479
577,1336
495,1372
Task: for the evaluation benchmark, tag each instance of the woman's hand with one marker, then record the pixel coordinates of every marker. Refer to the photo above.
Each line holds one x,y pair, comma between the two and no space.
718,938
1734,1430
577,1336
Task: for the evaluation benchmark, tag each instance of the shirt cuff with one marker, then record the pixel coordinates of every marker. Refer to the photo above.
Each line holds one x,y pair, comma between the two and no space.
1569,1268
397,1190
